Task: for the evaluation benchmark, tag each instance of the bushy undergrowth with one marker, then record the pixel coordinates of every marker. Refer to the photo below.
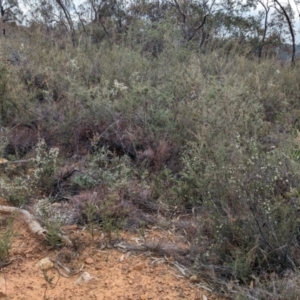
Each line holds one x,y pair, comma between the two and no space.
36,178
213,135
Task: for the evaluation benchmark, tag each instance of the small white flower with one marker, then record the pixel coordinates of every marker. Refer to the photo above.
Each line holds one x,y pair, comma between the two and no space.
120,86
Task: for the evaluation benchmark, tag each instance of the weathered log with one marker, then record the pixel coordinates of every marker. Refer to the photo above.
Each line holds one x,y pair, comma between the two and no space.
33,225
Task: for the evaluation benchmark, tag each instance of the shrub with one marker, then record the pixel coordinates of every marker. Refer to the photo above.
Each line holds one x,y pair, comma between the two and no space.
27,183
44,166
243,186
6,105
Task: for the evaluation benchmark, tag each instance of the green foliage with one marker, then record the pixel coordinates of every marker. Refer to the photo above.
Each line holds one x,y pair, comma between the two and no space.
91,210
44,166
17,192
113,217
242,185
53,233
106,168
165,188
6,236
85,181
27,181
5,101
51,219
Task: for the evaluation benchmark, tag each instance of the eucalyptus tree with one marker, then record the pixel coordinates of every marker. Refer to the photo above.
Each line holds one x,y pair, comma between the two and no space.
97,13
53,12
10,11
286,13
41,13
253,22
64,8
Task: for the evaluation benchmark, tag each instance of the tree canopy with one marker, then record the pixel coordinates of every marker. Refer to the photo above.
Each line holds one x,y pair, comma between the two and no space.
262,25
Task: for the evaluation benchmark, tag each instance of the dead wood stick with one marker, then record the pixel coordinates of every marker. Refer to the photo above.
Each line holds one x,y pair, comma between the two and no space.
8,162
33,225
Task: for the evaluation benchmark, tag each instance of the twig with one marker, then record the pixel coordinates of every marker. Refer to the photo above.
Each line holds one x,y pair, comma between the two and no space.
181,269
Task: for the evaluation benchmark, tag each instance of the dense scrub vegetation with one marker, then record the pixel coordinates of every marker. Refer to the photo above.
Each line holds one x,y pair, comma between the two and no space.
142,125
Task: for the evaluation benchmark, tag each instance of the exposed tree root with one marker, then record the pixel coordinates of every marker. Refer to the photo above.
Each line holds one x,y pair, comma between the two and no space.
33,225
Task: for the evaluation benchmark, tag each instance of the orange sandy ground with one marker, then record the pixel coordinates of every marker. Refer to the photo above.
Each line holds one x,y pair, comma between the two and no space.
118,275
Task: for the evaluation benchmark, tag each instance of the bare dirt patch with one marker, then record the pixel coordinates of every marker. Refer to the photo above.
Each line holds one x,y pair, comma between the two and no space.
111,273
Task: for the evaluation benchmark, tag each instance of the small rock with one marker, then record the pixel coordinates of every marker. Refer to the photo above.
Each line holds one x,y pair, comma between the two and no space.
121,259
2,295
45,264
130,277
194,279
139,267
144,297
89,261
84,278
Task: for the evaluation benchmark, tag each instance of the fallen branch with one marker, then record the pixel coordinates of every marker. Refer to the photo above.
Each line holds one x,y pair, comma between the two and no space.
11,162
164,249
33,225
